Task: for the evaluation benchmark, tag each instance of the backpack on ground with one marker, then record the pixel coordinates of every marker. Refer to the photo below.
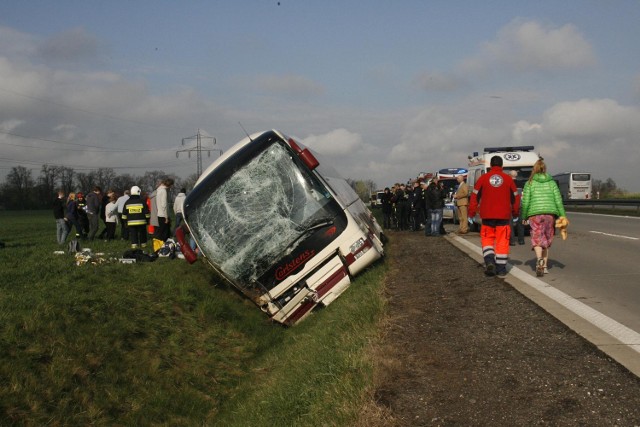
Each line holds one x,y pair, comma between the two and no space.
139,255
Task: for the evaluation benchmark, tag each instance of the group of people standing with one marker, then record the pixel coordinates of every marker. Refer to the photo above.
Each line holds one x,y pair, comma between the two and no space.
134,211
503,209
405,208
84,214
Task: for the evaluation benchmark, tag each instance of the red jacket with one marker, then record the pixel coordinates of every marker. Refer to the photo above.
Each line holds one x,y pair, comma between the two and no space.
497,195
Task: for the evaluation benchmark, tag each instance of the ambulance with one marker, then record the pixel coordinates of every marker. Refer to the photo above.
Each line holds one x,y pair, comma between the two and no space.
517,158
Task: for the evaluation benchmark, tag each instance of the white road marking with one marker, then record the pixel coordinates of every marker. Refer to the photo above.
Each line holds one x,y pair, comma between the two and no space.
625,335
615,235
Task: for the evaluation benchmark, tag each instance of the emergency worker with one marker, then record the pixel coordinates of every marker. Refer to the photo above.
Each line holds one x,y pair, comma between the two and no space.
496,196
136,213
462,204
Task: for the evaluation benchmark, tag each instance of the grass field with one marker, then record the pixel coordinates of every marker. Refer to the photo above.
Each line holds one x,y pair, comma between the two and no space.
164,343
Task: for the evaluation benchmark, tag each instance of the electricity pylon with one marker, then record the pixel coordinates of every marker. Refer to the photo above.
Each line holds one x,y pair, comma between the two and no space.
199,137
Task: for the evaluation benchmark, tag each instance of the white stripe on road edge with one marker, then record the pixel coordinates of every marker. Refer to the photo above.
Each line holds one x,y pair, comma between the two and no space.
617,330
614,235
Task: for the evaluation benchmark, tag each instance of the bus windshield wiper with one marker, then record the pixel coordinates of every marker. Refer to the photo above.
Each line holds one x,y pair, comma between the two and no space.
314,225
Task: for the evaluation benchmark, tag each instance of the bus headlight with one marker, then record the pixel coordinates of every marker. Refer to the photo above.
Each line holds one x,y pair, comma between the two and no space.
354,248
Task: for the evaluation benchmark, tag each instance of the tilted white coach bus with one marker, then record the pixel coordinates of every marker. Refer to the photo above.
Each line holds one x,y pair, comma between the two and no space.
280,225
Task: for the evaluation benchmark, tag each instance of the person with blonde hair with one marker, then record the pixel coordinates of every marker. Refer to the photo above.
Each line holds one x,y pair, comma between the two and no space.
541,205
72,215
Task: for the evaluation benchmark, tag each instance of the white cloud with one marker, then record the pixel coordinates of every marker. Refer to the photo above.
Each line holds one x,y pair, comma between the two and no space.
527,46
289,85
70,46
16,44
338,142
525,133
593,118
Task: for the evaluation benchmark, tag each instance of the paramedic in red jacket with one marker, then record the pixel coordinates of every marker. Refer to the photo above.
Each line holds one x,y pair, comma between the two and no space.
498,198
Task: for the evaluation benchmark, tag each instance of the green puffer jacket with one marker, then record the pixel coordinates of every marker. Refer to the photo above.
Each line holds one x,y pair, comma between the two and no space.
541,196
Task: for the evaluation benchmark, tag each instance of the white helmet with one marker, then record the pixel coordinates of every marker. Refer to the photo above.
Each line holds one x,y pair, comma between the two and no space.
135,190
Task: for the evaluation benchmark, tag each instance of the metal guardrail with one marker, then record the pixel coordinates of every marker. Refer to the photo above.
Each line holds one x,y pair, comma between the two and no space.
611,204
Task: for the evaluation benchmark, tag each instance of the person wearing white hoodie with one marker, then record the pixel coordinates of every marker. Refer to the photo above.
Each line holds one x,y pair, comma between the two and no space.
162,204
178,206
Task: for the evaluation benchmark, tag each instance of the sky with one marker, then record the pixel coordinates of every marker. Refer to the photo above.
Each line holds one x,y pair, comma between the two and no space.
385,90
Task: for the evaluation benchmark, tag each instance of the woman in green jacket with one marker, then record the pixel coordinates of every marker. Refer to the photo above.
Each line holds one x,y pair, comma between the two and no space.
541,205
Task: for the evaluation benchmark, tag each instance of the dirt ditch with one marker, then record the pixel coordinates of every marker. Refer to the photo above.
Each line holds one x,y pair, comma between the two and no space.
463,349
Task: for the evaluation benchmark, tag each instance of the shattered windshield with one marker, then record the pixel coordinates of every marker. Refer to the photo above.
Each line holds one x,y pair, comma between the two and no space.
249,222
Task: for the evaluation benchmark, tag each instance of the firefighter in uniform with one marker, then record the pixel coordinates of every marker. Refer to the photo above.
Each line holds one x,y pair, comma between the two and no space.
498,199
136,214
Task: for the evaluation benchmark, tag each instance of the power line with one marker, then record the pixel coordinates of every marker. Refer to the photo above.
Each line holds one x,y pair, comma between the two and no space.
198,148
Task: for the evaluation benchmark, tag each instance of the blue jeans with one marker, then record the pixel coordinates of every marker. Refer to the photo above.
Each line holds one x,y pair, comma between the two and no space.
436,220
62,230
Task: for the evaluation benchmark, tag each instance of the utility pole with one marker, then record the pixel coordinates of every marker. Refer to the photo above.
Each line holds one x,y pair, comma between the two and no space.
199,138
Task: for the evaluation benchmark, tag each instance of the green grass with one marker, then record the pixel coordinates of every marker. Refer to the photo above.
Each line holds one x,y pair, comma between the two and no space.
603,210
163,343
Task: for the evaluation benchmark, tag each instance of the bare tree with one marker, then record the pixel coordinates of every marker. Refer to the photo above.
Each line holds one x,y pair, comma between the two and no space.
151,180
66,179
607,189
19,187
85,181
187,183
104,177
362,188
47,181
124,182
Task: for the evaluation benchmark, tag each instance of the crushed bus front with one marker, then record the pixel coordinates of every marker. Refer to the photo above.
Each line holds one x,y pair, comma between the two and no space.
280,227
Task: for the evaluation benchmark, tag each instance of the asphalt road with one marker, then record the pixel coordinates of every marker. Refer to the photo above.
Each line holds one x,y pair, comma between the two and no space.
598,264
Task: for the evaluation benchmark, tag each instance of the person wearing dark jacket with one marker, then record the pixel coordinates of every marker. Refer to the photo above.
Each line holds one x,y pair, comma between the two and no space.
387,207
417,206
136,213
435,204
93,211
62,227
81,206
73,216
402,204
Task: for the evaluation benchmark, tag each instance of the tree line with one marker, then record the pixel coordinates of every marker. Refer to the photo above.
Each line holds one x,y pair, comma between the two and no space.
21,190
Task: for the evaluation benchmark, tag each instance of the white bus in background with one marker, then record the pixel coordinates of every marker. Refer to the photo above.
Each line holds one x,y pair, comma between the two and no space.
280,225
574,185
518,158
